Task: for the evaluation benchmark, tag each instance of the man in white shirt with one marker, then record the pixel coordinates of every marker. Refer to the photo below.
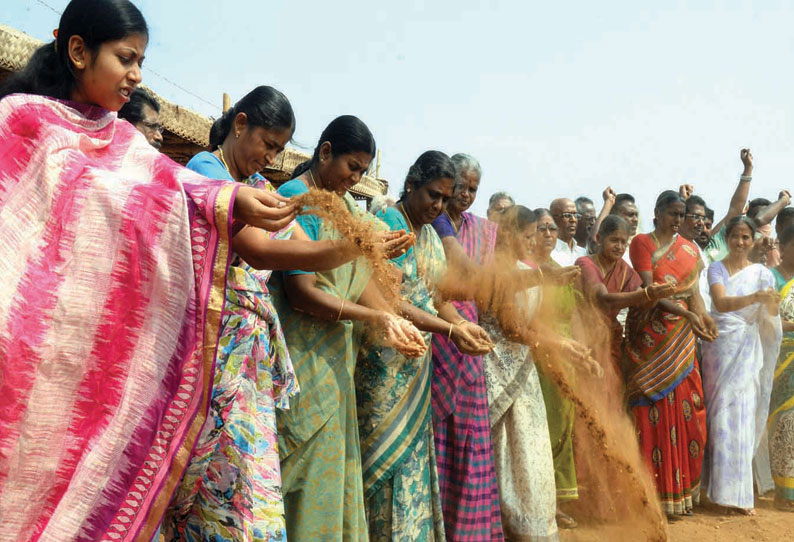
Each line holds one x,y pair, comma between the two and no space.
563,211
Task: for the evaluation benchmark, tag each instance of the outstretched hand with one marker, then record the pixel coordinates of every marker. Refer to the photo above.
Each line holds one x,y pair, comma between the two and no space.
395,243
262,208
660,291
471,339
577,352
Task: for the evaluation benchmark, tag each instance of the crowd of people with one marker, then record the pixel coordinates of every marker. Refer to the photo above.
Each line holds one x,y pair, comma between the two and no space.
189,354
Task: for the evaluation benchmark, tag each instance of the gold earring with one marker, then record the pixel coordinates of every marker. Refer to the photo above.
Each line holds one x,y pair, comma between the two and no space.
237,135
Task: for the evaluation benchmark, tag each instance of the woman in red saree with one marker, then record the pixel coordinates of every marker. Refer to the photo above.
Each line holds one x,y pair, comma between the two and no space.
113,262
665,391
610,284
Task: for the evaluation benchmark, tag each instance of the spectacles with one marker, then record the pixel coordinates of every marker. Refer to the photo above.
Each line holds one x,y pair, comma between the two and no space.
547,227
697,218
589,219
568,216
153,127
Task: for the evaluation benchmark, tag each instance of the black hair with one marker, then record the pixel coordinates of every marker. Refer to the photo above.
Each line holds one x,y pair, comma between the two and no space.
132,111
756,206
346,134
430,165
786,214
741,219
611,224
709,214
786,236
695,200
581,201
667,198
623,198
49,72
264,107
540,212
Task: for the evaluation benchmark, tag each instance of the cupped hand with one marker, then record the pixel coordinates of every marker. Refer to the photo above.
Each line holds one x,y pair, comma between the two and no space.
263,208
577,352
395,243
686,190
609,195
401,335
471,339
747,158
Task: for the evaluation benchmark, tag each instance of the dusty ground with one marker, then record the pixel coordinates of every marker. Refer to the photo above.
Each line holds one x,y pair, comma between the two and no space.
768,525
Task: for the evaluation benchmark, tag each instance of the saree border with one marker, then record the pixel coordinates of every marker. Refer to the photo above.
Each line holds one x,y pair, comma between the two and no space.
212,325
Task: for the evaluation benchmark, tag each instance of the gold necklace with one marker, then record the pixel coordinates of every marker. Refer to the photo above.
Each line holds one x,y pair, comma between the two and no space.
451,221
311,176
220,155
407,218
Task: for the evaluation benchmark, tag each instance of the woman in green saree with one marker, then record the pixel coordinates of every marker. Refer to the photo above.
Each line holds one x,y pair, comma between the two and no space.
318,437
393,390
781,408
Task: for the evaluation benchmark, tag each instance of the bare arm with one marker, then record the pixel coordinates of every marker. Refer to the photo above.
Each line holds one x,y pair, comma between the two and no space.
609,203
742,192
729,303
768,215
261,252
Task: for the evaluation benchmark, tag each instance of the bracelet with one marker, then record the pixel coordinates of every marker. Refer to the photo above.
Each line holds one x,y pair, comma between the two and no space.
459,322
745,178
338,316
449,334
646,293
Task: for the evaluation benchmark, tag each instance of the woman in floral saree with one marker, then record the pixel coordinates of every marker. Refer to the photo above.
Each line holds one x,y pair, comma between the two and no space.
738,368
124,253
393,390
664,387
781,407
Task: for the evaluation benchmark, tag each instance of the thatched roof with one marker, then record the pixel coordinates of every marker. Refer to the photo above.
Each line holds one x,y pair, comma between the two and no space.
186,132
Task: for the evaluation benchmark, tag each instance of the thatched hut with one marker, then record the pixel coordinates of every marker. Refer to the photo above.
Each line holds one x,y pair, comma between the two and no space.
186,132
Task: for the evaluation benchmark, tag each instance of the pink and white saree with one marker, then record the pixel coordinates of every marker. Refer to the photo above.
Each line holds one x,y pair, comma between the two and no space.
113,264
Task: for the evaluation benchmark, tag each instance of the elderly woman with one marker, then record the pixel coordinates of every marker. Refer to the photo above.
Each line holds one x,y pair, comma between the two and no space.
738,367
469,490
664,386
393,390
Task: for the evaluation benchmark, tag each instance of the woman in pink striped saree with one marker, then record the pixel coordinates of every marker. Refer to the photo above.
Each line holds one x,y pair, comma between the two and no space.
113,262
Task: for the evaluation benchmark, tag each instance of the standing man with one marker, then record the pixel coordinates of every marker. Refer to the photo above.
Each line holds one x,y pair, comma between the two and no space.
587,218
143,112
565,215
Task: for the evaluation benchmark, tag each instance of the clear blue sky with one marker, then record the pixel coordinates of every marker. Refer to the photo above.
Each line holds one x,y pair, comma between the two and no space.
555,99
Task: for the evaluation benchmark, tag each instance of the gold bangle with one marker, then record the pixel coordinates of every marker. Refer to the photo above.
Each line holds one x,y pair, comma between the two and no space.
341,308
459,322
646,293
449,334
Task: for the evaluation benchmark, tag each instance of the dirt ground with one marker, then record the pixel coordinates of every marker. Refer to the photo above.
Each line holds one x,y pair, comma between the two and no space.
768,525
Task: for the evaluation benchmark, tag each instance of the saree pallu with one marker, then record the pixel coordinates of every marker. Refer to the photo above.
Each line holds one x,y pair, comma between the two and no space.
737,376
113,266
318,439
393,395
231,490
620,279
781,407
665,391
520,433
559,304
464,452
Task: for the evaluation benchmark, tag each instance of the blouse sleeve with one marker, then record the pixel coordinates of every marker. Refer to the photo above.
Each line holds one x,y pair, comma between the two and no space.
443,226
395,221
640,252
717,274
